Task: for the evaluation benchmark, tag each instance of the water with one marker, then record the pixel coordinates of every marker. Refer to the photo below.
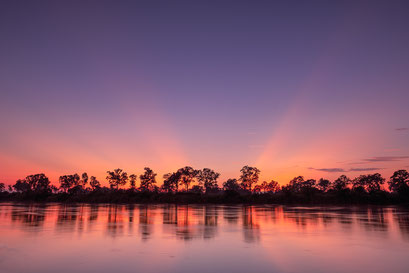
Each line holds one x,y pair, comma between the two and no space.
168,238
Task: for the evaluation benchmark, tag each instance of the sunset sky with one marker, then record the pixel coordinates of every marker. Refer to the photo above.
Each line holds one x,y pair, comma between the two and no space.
318,89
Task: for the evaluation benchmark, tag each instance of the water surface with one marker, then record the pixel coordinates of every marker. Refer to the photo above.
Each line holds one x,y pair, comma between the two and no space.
193,238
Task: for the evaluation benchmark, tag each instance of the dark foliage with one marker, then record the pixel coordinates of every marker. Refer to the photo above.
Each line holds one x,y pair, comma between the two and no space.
364,189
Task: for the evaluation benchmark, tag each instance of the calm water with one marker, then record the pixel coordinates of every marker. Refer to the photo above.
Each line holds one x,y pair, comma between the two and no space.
169,238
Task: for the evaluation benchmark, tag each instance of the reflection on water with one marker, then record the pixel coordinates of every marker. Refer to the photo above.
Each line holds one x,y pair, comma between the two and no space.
195,238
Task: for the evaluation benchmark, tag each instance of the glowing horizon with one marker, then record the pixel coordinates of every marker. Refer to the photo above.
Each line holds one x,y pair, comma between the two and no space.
292,90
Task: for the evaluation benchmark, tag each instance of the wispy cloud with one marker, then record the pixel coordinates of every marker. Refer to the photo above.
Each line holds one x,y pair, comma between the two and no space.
328,170
402,129
341,170
364,169
385,158
379,159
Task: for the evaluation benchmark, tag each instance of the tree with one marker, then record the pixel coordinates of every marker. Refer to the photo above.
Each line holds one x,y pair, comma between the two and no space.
2,187
68,182
132,181
186,176
84,180
323,184
258,188
171,182
196,189
208,178
399,181
249,176
94,183
295,185
308,184
272,186
369,183
262,187
21,186
148,179
231,185
117,178
38,183
341,183
375,182
53,189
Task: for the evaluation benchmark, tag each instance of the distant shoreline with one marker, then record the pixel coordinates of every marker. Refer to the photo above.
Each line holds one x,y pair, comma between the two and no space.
128,197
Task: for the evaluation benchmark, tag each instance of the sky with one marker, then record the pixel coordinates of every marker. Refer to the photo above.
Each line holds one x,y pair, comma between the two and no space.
312,88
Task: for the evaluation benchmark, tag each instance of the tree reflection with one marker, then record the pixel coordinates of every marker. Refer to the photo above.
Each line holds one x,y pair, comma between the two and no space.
402,219
210,222
251,227
67,218
115,225
184,229
231,214
187,222
374,220
31,215
93,213
145,224
170,214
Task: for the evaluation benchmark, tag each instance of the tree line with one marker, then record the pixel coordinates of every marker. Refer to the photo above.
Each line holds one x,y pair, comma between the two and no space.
180,181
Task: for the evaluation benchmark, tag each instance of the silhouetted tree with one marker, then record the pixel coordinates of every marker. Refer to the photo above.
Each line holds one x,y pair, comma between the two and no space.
117,178
68,182
187,175
296,184
308,184
147,179
231,185
94,183
21,186
171,182
259,188
38,183
208,178
249,176
323,184
369,183
84,180
341,183
196,189
271,187
399,181
132,181
53,189
2,187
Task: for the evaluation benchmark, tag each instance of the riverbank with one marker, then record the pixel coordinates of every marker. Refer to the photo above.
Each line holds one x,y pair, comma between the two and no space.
226,197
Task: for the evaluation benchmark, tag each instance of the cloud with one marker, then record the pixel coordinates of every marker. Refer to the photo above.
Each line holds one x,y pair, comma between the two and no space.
339,170
385,158
379,159
364,169
328,170
402,129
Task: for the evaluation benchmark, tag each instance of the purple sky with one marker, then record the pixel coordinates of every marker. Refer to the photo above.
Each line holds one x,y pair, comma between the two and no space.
314,88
